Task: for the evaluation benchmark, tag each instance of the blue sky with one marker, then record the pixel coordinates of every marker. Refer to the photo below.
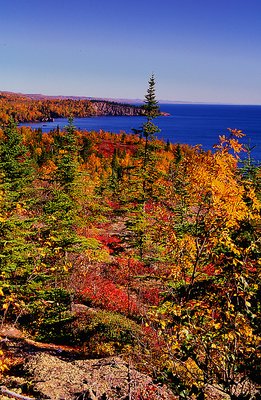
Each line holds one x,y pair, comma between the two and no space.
199,50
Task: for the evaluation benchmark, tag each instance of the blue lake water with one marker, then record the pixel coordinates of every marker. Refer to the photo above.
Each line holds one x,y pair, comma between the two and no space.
188,123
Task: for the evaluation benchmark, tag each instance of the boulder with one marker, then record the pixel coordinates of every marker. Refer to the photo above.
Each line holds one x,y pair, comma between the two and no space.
98,379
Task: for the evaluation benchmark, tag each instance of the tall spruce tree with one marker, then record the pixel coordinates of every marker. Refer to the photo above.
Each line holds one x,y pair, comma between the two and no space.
152,110
18,253
15,164
67,157
151,105
145,177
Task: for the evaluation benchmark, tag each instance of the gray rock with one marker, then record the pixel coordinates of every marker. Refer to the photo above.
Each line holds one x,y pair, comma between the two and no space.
103,379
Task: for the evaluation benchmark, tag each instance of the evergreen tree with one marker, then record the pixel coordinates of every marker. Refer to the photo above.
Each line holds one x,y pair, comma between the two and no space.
67,157
152,110
18,253
145,176
15,164
151,105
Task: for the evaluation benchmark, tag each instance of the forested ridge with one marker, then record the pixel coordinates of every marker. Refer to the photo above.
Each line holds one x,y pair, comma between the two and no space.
126,245
31,108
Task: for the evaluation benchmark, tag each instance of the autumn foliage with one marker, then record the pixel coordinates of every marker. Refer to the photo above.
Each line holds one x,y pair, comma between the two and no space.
163,254
29,108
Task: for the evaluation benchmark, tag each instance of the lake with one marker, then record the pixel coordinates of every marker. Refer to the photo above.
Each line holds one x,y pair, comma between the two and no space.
188,123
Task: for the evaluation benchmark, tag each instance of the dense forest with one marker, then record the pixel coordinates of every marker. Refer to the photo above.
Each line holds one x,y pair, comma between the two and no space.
126,245
29,108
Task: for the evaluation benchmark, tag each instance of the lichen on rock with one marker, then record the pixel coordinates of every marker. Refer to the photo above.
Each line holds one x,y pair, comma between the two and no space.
99,379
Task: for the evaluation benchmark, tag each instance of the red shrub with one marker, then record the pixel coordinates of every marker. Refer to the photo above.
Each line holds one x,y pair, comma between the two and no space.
150,295
104,293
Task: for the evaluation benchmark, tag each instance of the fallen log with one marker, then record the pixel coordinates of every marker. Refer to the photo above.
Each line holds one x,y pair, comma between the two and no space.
9,393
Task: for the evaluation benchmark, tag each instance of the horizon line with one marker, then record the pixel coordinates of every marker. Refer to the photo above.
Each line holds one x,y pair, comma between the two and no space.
130,100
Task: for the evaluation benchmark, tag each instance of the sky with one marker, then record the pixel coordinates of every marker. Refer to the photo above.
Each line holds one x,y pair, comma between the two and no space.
198,50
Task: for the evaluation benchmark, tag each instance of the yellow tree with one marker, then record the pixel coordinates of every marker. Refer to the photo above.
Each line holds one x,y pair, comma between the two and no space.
208,318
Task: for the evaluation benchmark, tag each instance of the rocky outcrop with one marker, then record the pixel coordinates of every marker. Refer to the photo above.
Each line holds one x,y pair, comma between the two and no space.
115,109
47,371
108,378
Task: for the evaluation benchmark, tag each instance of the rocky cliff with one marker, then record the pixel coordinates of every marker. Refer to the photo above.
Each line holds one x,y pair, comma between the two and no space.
30,108
116,109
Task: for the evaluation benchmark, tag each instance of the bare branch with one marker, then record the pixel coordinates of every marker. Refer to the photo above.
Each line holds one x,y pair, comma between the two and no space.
9,393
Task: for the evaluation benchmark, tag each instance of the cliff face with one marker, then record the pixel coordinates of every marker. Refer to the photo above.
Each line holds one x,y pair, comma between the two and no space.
110,108
30,108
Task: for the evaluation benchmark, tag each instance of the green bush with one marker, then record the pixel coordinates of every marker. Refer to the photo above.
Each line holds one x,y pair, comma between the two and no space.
48,318
105,333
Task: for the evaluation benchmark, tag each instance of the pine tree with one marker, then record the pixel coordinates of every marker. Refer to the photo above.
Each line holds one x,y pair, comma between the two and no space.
18,253
67,157
15,164
150,103
152,110
146,175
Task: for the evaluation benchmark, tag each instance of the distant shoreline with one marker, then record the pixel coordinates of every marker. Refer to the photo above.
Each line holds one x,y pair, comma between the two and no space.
39,96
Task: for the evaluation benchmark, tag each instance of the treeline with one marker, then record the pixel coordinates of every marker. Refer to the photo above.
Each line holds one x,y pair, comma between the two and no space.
24,108
159,242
